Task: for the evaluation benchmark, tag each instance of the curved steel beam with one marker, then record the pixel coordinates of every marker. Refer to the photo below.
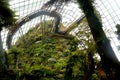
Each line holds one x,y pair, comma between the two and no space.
29,17
75,24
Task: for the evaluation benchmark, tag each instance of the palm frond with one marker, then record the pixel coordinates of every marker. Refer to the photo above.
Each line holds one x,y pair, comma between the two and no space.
6,14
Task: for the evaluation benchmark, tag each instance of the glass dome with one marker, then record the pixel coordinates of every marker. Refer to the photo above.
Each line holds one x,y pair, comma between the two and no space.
27,14
50,41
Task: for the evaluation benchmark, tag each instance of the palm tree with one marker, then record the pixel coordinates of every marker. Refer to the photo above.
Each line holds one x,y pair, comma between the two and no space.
6,19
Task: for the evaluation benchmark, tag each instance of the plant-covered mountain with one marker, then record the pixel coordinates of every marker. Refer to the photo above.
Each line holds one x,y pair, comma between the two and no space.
41,54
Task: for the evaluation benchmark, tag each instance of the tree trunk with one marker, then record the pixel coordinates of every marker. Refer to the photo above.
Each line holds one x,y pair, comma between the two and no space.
91,67
108,57
103,44
2,57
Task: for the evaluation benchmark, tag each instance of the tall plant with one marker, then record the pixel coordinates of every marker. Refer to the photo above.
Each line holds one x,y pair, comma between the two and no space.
6,14
6,19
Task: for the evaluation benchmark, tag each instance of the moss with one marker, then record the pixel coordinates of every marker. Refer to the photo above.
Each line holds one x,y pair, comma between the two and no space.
45,57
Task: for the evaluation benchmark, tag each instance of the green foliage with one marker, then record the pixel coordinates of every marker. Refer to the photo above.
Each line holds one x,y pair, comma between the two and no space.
6,19
45,58
86,5
51,57
6,14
